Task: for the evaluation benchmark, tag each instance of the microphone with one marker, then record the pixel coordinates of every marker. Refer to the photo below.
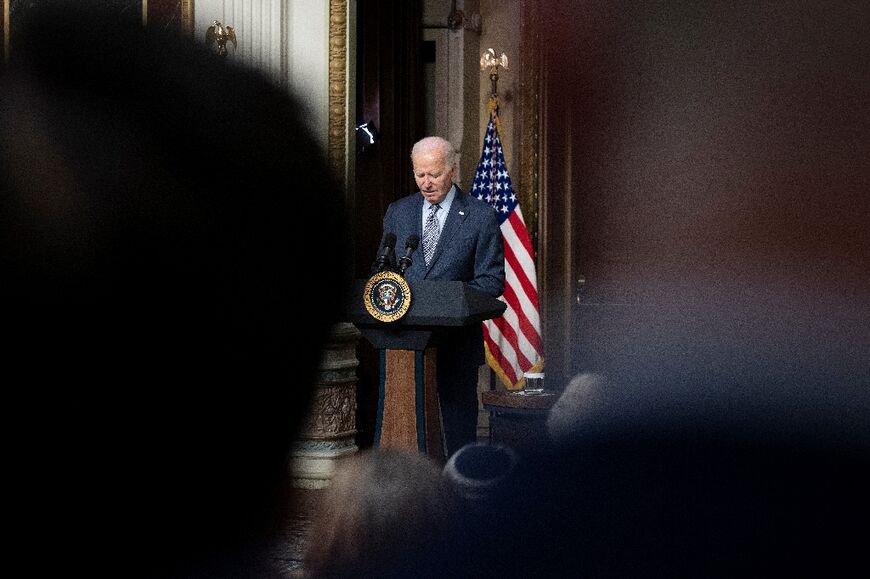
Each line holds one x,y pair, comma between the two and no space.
384,260
410,245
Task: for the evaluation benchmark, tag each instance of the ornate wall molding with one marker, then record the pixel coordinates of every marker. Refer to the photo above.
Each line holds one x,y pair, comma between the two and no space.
187,17
333,412
337,146
530,121
328,432
4,24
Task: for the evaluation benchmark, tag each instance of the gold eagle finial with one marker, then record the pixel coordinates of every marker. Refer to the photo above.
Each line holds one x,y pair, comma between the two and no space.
219,34
488,58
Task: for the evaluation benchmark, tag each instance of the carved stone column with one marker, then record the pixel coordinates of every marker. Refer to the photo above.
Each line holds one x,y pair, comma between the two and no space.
327,435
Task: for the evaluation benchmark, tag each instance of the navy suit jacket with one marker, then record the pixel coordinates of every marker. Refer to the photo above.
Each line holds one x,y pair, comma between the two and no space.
470,249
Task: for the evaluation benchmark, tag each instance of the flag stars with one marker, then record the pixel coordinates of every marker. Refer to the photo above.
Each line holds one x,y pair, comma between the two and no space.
492,182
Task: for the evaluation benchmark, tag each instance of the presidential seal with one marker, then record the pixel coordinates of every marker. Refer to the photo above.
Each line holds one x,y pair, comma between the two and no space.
387,296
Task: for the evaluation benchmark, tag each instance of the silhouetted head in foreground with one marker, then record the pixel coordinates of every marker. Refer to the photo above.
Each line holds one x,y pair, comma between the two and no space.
159,212
387,513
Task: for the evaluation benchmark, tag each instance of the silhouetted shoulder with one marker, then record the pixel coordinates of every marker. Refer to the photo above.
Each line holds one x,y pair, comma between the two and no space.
157,210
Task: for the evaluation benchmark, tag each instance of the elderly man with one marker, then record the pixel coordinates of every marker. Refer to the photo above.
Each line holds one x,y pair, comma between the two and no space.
460,241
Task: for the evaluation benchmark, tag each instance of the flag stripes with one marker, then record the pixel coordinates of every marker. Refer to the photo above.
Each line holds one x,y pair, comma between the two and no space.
528,335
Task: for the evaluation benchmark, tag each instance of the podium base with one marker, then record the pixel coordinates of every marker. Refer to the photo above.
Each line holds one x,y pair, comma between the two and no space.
409,411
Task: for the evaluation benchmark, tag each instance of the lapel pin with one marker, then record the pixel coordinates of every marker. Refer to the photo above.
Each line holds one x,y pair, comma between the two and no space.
462,212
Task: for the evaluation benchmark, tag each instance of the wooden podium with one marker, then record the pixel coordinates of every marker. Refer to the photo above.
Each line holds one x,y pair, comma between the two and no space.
409,413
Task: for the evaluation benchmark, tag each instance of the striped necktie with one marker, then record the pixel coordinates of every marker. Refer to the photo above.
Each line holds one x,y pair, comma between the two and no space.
430,233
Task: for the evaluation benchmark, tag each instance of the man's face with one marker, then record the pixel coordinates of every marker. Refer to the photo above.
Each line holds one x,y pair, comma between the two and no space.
433,175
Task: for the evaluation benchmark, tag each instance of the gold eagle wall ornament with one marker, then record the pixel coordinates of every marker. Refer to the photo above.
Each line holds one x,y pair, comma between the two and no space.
219,34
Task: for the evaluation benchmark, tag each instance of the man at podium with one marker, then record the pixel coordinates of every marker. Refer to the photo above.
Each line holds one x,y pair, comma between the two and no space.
460,240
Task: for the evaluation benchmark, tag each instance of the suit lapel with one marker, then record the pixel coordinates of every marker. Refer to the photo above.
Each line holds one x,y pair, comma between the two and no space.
418,215
455,218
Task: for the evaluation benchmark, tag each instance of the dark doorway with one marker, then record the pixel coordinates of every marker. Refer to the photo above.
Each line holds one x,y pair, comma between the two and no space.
390,98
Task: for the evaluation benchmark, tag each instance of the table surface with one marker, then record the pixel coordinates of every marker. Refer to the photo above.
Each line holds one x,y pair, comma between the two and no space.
497,399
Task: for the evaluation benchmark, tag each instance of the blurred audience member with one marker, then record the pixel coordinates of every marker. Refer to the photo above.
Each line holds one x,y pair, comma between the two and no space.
721,425
387,513
480,471
566,416
156,223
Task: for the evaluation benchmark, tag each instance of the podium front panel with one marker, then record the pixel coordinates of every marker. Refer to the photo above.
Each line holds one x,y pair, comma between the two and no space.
409,412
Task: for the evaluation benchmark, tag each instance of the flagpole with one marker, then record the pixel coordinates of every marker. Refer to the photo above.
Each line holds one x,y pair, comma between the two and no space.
512,343
493,77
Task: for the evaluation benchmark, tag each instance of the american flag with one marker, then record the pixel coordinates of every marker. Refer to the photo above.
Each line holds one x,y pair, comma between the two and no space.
513,341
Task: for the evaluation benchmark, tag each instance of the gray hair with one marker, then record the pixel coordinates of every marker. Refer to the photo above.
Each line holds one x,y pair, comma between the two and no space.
437,144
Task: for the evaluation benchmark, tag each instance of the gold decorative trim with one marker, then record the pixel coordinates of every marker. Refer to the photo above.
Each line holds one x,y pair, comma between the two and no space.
530,121
387,296
144,12
6,30
337,140
187,22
